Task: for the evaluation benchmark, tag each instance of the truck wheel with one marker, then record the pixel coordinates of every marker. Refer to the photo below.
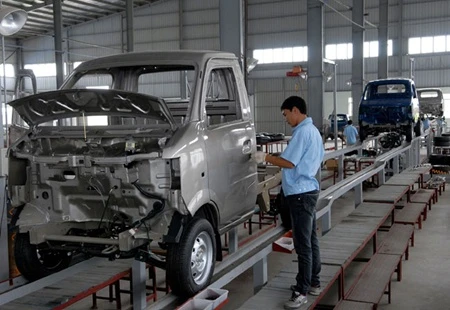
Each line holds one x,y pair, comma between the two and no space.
190,262
35,262
441,141
437,159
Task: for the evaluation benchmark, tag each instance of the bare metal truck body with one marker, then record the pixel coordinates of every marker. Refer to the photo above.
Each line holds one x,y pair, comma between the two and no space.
431,102
135,151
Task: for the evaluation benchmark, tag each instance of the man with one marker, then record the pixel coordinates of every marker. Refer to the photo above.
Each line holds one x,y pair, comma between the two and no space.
300,162
350,133
425,123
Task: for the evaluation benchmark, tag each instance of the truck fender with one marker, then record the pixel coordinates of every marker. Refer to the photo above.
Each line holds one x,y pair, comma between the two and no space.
30,216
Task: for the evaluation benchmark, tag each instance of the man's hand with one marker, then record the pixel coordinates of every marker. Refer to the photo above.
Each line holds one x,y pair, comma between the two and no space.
259,157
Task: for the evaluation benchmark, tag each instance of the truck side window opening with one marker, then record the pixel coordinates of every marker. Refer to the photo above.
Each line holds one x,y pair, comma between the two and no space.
174,86
222,98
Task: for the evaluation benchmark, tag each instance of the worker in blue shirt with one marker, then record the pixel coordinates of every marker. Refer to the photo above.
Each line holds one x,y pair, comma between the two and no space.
300,162
425,123
350,133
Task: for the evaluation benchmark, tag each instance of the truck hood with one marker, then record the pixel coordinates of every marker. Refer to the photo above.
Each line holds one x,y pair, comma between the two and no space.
67,103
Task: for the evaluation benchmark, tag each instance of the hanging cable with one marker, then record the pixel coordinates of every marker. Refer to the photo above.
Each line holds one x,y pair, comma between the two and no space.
345,17
4,206
156,207
343,4
106,205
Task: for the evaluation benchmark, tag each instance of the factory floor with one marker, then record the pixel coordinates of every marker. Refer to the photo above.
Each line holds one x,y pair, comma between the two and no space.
426,275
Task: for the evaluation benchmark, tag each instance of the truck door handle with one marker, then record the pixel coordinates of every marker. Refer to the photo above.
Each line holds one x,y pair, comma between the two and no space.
247,147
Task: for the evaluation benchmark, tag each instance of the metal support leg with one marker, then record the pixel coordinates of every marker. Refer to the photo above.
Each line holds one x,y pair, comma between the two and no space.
233,242
139,277
4,268
407,158
358,194
395,165
326,221
340,168
418,152
429,139
381,177
259,274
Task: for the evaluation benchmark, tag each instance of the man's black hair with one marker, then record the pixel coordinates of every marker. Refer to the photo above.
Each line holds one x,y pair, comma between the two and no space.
294,101
350,122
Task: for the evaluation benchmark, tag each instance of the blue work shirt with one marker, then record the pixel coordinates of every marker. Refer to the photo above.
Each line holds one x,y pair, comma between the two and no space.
350,133
305,151
426,124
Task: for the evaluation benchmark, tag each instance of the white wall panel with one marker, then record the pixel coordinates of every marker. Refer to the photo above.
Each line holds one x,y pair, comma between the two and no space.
152,20
101,26
166,45
199,32
273,40
342,105
198,5
202,44
259,10
204,16
156,35
162,7
277,25
201,25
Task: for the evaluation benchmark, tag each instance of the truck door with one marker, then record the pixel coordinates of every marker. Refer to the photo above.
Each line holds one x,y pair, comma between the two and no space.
229,136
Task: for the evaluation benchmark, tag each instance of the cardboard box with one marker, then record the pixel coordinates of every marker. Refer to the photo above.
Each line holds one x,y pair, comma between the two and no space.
331,164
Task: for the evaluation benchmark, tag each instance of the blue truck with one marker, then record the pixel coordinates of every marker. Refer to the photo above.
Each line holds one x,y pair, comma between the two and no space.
389,105
342,120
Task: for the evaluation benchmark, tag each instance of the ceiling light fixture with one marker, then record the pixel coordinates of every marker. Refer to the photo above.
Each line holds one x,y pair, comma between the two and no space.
11,20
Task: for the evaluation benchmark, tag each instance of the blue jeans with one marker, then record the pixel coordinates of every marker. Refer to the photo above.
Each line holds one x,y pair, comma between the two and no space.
303,215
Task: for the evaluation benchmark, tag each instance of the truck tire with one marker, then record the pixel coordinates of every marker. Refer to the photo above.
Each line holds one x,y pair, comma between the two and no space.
440,160
36,262
190,262
441,141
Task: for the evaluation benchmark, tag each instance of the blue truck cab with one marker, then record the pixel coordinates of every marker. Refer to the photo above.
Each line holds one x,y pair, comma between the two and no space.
342,120
389,105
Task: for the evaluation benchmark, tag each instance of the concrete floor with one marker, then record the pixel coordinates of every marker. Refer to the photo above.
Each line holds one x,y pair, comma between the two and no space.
426,275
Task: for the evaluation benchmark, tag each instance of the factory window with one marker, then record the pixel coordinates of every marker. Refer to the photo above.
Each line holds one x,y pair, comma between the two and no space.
9,70
339,51
43,70
345,50
371,49
280,55
427,45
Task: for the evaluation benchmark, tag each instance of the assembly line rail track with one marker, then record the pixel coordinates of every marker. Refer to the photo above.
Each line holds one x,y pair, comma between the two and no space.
256,251
355,181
